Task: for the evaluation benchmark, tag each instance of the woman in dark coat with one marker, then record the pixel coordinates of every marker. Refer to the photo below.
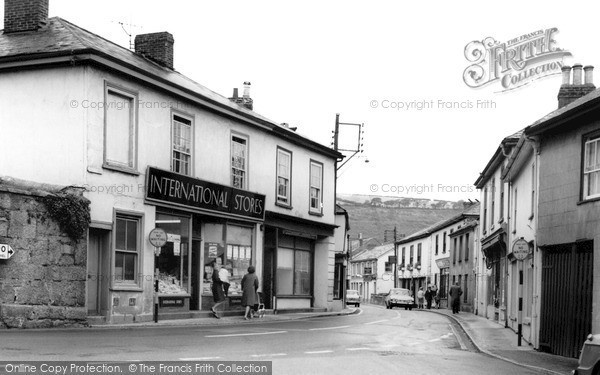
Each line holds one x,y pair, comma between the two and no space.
249,288
217,289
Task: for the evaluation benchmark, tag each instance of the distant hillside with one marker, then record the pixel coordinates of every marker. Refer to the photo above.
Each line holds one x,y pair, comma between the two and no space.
371,215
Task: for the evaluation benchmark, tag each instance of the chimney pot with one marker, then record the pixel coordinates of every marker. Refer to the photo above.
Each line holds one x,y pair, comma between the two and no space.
566,75
235,93
157,47
577,74
588,75
25,15
246,89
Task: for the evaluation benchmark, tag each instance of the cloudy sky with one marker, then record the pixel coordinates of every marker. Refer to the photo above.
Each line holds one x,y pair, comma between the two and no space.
309,60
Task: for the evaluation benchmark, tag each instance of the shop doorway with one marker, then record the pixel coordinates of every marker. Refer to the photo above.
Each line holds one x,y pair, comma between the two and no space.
98,271
195,292
268,266
566,303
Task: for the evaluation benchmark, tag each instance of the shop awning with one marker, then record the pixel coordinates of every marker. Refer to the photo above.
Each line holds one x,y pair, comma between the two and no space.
494,248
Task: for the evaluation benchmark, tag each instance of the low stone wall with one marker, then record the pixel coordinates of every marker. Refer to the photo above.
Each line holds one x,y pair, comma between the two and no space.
44,283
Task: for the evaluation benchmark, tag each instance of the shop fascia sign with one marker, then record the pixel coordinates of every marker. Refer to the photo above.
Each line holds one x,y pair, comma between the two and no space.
443,262
195,194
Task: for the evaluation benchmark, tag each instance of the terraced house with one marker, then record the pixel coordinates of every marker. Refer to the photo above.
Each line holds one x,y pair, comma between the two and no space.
148,148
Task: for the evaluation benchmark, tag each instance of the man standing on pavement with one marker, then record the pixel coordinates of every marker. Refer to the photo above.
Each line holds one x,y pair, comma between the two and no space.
455,293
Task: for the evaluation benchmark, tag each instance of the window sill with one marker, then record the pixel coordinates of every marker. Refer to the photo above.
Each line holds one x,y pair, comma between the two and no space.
283,205
588,200
126,288
313,213
118,168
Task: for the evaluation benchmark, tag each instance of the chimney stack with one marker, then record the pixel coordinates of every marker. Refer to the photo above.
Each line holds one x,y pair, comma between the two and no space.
25,15
245,99
575,89
246,89
589,75
157,47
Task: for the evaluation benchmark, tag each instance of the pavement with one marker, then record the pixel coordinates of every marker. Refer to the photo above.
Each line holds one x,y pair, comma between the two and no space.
497,341
485,335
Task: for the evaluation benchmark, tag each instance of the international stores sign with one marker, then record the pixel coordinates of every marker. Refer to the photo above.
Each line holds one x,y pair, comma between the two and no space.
195,194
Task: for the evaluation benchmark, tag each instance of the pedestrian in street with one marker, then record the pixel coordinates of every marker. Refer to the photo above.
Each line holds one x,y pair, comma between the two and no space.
217,289
249,291
421,298
224,276
428,297
455,293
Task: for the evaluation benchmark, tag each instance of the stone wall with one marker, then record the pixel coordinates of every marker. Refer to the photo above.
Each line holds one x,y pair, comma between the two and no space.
43,283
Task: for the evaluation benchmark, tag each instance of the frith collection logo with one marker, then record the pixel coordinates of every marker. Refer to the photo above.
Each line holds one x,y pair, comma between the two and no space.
515,63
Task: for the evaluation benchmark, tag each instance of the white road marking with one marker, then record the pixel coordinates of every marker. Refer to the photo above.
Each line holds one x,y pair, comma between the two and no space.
389,346
352,349
247,334
199,359
377,321
268,355
325,328
320,352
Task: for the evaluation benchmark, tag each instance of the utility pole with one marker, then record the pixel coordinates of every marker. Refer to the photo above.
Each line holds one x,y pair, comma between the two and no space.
385,237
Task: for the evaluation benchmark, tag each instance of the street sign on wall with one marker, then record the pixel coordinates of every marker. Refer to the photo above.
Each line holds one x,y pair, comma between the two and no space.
6,251
520,249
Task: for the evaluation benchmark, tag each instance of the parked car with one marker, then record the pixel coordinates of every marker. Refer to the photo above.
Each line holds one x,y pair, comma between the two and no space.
399,297
589,359
352,297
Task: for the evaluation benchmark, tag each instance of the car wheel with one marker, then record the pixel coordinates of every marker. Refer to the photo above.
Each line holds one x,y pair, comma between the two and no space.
410,308
358,305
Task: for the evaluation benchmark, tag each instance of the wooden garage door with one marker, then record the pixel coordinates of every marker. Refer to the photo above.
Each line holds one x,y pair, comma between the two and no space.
566,305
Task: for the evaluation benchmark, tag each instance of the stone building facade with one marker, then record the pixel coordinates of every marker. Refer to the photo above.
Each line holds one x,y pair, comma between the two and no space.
42,284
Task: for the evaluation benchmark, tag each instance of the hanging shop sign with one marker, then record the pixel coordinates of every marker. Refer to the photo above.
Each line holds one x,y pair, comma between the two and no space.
192,193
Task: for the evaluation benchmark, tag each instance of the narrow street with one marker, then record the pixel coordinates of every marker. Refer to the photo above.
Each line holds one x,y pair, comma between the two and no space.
375,340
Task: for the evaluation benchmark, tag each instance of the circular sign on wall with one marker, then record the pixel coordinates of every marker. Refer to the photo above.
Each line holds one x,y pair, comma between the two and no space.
158,237
520,249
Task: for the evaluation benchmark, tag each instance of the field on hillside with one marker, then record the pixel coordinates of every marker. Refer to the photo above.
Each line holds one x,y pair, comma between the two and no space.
371,221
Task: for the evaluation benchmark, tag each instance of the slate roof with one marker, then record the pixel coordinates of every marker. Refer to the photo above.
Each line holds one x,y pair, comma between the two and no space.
62,38
573,108
473,210
373,253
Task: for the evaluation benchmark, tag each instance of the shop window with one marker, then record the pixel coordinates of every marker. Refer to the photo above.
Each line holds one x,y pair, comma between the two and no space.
120,130
316,187
127,244
294,266
231,247
239,162
284,177
173,260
